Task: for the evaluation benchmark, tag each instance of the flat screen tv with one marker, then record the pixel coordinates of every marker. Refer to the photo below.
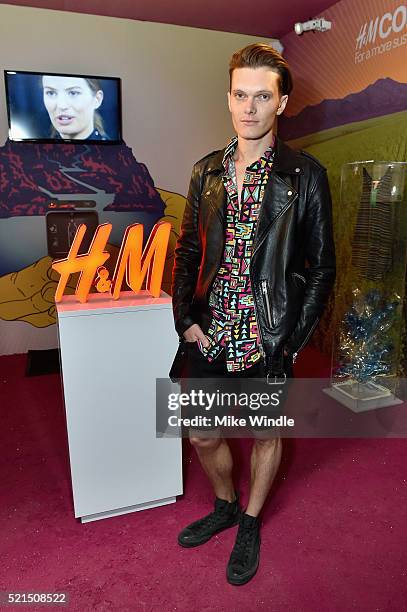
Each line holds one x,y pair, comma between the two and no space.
49,107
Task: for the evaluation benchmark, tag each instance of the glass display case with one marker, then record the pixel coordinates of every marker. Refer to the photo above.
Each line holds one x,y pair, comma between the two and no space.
369,324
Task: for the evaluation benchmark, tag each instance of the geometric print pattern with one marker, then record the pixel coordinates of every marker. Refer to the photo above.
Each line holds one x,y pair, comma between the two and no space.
233,326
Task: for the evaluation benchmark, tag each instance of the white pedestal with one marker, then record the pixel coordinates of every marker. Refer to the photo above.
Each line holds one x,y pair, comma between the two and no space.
112,351
362,397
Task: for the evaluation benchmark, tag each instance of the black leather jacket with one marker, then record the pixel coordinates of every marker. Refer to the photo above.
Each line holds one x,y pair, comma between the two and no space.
292,268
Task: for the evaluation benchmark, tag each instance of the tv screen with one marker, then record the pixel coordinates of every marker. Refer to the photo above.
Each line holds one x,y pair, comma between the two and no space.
63,107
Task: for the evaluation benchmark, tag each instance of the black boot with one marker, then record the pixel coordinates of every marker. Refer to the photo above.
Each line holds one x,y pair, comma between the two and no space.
244,560
225,515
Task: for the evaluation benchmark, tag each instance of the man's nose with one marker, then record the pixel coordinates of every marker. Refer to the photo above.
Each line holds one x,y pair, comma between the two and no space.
250,106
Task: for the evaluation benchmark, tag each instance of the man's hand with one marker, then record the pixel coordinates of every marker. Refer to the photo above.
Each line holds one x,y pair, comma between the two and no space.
194,333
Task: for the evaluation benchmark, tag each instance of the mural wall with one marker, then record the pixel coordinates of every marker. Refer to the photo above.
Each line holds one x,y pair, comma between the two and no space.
35,177
349,104
174,112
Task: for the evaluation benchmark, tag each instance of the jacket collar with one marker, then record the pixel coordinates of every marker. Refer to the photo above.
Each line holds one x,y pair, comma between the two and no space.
286,160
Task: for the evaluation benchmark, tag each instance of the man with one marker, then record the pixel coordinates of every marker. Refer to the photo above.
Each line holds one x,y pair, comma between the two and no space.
254,266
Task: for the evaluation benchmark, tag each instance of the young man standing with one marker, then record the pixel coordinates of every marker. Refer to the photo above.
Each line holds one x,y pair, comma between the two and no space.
254,266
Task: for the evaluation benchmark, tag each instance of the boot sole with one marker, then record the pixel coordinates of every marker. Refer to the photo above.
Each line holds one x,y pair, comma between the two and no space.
193,545
245,578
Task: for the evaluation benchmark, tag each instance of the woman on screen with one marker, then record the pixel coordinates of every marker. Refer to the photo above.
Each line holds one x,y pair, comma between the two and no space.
72,104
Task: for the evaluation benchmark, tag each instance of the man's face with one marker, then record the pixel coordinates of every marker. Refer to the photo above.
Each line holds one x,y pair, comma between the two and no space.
254,101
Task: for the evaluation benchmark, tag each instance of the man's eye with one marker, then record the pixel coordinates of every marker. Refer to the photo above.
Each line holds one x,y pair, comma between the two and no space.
239,96
74,93
264,97
50,93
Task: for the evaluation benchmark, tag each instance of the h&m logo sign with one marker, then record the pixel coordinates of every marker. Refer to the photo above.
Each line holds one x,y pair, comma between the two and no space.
133,262
382,27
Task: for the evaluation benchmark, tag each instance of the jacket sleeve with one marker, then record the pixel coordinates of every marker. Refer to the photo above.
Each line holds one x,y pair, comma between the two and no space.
187,257
320,254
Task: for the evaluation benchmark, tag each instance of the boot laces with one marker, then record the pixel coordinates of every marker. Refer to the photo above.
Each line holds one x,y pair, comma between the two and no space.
243,544
209,521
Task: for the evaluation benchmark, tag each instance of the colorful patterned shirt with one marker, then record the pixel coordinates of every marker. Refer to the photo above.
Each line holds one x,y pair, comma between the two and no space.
233,326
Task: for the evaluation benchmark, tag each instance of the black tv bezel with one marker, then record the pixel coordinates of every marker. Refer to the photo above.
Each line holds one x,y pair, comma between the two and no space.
66,140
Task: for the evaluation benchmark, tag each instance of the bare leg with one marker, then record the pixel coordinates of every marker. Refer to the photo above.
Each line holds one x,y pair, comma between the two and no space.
265,460
216,460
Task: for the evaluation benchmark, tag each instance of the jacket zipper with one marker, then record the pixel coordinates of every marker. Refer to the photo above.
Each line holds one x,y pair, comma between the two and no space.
300,276
306,339
261,344
267,302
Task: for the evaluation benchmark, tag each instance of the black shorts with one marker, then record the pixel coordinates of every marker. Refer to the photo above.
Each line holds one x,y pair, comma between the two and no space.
248,386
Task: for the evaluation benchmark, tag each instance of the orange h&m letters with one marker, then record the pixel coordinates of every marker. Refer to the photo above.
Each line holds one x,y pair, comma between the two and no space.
133,261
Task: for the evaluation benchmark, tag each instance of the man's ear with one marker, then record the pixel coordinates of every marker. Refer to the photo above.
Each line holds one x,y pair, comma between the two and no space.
282,105
228,95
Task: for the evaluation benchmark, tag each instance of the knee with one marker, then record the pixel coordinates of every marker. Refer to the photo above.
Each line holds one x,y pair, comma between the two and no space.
204,443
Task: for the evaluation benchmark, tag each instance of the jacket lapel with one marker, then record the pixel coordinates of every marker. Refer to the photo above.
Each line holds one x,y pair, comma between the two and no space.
216,192
218,198
278,195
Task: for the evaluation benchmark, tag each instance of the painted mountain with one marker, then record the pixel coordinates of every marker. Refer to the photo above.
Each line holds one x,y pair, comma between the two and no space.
383,97
31,175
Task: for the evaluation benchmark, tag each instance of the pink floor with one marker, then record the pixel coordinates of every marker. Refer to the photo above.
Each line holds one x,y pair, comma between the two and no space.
334,533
